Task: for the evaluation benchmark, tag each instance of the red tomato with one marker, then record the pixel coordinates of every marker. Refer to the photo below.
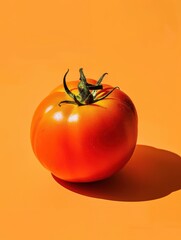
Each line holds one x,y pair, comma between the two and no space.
85,135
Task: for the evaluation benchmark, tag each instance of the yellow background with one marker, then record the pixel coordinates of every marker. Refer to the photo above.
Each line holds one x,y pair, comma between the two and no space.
138,42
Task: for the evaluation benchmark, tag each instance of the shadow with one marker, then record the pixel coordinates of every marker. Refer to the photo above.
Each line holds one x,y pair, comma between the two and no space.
150,174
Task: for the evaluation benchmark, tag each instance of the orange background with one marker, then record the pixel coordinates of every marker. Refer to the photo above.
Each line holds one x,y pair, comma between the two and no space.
138,42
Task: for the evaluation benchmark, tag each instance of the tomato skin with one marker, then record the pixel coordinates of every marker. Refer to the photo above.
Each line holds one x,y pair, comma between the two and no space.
84,143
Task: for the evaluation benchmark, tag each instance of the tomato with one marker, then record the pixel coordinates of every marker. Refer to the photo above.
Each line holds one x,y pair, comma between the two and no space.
84,130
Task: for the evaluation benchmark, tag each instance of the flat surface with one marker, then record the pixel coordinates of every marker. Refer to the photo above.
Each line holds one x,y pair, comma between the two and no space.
139,44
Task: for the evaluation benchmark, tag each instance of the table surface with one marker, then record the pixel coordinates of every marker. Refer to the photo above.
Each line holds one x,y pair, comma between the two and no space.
139,44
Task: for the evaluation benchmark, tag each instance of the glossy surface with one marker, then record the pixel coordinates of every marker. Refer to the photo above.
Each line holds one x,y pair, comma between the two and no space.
84,143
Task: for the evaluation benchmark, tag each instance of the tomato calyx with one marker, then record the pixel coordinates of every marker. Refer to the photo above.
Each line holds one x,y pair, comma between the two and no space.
88,93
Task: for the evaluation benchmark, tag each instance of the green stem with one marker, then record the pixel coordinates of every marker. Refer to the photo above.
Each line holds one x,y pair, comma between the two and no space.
87,92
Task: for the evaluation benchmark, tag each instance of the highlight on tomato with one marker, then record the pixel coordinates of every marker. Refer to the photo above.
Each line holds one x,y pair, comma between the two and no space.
84,130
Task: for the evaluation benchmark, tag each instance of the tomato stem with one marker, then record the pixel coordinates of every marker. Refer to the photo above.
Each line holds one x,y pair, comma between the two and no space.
87,92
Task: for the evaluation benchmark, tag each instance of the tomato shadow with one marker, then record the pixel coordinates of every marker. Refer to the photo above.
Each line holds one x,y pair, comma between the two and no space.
150,174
